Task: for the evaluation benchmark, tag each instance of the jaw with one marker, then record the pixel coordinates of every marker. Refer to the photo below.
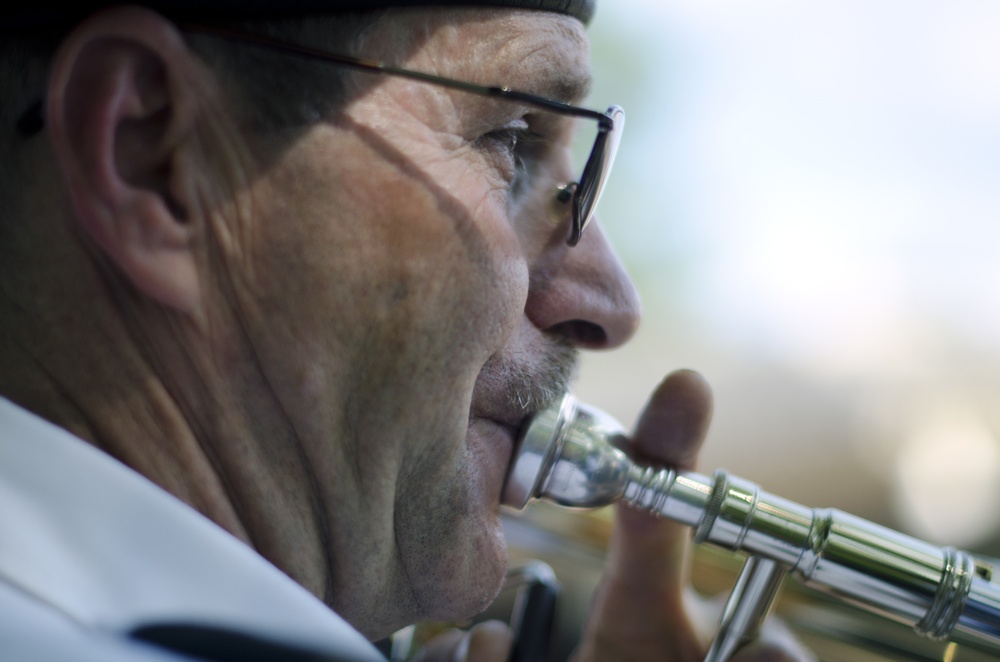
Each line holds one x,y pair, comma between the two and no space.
378,352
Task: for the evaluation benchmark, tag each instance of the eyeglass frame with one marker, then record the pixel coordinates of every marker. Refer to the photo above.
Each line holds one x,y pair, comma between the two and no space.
583,194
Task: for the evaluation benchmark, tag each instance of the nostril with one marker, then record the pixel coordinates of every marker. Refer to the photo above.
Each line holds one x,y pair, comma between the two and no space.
583,334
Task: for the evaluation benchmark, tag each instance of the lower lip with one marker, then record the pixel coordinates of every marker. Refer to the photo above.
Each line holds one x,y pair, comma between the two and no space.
496,442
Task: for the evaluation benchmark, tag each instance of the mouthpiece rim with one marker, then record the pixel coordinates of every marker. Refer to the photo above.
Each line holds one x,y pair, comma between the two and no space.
534,450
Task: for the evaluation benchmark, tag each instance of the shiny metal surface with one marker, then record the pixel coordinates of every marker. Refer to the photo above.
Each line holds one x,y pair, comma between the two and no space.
572,455
747,606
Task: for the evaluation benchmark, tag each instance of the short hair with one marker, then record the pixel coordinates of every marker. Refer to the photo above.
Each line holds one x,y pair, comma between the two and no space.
280,91
24,63
269,91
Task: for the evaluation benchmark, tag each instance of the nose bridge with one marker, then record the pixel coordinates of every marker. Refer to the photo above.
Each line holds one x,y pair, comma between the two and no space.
584,293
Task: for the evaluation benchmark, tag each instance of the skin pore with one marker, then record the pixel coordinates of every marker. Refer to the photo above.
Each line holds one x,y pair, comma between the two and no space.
327,350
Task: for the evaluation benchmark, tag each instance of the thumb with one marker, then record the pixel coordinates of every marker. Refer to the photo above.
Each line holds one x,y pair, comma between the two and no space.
670,432
639,611
489,641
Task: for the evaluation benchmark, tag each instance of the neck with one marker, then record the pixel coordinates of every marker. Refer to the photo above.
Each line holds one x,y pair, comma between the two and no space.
77,354
113,400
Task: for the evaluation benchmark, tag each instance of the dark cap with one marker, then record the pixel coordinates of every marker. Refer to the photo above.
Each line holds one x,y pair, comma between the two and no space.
35,13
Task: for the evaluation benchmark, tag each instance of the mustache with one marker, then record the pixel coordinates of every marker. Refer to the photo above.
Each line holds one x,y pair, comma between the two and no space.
532,388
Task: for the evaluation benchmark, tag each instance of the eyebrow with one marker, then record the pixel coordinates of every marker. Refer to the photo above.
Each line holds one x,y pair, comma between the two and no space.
561,79
567,86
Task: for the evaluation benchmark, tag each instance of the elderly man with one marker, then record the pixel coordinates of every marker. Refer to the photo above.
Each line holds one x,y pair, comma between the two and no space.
271,314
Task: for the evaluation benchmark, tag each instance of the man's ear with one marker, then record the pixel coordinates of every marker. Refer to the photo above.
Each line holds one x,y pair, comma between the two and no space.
120,106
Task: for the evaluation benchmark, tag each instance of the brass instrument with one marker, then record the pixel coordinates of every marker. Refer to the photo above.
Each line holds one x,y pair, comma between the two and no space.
572,455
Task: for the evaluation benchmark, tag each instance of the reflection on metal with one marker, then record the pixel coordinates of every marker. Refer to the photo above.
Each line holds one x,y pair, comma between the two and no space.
747,607
572,455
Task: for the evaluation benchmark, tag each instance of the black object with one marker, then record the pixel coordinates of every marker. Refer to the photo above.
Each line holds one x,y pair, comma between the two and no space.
217,644
23,14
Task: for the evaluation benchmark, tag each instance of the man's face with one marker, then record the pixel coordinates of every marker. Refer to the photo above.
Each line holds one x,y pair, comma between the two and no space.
384,268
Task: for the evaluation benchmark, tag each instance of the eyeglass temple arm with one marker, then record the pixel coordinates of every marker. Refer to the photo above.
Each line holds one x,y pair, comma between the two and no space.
379,67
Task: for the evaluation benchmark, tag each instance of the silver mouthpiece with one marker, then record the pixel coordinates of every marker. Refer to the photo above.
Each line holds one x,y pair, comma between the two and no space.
568,455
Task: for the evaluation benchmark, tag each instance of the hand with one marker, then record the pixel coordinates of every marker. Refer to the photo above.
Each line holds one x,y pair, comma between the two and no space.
643,609
489,641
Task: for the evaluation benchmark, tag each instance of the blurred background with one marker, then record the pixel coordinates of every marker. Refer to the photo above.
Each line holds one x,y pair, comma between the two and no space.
807,195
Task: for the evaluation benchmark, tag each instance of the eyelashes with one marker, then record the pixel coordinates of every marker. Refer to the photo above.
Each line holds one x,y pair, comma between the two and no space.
515,150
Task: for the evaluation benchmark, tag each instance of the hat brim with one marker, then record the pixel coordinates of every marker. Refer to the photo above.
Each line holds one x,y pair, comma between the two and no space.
41,13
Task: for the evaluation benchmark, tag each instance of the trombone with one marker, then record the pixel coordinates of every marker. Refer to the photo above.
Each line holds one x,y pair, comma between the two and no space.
571,455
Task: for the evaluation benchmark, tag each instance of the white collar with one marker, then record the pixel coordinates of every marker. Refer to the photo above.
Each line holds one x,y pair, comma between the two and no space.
111,550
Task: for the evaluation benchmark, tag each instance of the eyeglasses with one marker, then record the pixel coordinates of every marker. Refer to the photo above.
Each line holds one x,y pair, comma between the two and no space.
582,194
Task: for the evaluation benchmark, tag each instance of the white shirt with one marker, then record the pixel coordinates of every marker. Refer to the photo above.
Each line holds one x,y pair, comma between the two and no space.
90,550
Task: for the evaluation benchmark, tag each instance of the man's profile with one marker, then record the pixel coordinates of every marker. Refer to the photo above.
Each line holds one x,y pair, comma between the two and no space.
278,286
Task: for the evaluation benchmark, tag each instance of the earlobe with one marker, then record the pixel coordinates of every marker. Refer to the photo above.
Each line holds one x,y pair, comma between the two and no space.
119,114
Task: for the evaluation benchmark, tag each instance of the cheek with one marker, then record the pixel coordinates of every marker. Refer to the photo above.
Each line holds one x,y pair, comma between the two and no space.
388,272
442,281
455,257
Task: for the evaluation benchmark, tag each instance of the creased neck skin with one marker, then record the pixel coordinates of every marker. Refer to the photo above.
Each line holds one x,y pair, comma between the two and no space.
170,395
189,439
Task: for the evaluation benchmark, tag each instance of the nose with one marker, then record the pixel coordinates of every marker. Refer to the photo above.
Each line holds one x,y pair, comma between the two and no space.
583,293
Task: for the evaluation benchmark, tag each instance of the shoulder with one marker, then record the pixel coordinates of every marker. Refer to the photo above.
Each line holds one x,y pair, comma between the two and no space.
32,632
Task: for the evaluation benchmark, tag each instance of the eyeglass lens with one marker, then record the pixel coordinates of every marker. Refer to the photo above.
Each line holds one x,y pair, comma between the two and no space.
595,173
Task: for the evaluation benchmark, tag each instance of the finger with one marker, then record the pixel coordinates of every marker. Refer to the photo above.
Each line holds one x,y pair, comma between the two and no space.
442,647
489,641
674,423
639,612
764,652
647,551
776,643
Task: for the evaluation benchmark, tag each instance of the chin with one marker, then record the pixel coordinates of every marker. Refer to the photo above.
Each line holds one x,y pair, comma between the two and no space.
449,539
467,568
469,578
453,582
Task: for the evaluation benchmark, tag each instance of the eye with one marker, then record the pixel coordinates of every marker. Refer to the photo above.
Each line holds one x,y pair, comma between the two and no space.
503,142
509,149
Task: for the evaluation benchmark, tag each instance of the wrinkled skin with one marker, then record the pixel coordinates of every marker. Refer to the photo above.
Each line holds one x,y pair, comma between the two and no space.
643,609
326,344
416,298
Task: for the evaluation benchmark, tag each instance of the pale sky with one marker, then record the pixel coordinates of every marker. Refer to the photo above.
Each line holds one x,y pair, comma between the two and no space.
835,165
811,190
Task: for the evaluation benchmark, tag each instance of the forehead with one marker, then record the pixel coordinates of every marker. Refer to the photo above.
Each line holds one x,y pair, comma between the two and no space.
531,51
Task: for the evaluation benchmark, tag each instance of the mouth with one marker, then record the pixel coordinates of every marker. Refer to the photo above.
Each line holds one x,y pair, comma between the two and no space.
512,387
498,432
513,423
507,429
512,420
